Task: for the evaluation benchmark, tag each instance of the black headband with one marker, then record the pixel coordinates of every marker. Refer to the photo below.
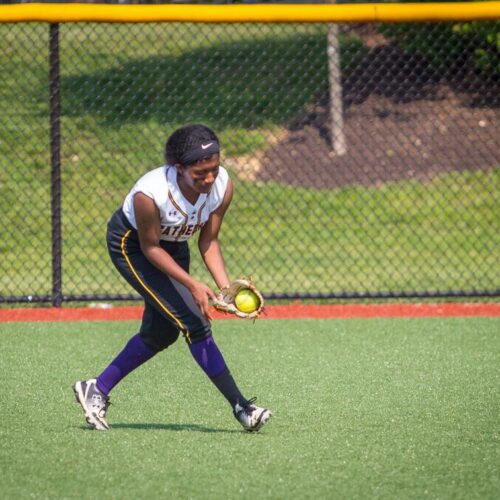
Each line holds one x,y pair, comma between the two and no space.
198,152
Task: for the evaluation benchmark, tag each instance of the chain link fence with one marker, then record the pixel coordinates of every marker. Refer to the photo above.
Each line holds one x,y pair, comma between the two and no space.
365,157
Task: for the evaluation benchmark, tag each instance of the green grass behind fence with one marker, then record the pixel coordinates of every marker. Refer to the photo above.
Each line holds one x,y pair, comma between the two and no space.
110,138
389,409
360,233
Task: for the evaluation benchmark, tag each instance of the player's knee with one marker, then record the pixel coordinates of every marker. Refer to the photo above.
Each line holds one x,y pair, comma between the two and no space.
199,333
159,342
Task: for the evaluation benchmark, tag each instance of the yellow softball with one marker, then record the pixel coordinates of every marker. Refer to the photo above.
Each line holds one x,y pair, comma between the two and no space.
247,301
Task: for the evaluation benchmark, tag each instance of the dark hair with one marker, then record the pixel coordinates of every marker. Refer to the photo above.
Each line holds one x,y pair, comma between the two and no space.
183,139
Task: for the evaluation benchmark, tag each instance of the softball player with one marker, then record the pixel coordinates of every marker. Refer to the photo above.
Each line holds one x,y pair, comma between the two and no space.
147,241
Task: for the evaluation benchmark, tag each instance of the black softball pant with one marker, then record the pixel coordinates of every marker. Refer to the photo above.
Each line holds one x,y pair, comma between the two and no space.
169,306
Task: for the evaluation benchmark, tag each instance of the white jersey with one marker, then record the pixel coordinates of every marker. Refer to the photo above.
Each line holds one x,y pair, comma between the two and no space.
179,219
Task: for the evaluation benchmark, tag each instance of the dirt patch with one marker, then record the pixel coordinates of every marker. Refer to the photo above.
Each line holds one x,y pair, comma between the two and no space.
294,310
406,123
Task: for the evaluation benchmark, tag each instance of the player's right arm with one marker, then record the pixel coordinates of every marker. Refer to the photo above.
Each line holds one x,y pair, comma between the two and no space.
147,219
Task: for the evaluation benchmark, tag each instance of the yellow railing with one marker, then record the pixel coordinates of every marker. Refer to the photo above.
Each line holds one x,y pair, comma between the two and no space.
264,13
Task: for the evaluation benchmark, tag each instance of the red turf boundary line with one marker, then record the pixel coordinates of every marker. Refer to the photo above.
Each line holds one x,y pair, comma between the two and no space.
122,313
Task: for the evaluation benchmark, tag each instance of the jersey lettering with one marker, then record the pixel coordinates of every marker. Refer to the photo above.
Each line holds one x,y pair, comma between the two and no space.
184,230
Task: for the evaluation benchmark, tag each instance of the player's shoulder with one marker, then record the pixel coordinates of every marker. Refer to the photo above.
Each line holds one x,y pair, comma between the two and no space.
156,174
221,182
223,178
153,183
153,179
219,189
223,173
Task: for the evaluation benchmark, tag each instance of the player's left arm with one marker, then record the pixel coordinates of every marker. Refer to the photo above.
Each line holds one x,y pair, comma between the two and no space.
208,242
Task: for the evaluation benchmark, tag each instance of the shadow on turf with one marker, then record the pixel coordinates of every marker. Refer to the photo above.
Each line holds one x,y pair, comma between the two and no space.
169,427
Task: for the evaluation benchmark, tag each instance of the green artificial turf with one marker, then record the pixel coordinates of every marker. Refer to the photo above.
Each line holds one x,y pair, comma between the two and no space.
392,408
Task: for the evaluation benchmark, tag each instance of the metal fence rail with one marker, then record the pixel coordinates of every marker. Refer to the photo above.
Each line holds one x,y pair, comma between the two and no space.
365,156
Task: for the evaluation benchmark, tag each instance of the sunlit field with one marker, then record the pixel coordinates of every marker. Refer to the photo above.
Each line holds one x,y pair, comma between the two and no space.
386,408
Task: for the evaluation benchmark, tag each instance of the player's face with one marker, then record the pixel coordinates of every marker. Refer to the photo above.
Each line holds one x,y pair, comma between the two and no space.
200,176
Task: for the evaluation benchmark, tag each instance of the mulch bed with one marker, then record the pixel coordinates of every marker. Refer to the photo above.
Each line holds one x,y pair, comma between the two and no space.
403,124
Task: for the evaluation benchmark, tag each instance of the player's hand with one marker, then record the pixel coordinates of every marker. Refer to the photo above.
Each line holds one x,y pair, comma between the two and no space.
202,294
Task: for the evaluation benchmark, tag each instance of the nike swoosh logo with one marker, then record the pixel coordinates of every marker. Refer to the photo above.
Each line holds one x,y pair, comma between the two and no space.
205,146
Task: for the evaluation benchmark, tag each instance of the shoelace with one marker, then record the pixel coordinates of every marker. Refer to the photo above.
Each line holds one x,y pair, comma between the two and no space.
104,409
249,407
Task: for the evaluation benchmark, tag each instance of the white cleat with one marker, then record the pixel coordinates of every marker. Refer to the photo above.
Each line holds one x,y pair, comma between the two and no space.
94,403
250,416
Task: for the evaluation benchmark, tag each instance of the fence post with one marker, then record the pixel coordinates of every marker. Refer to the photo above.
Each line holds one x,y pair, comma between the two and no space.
338,142
55,177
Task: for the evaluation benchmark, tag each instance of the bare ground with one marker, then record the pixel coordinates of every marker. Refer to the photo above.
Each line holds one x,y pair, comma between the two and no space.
405,123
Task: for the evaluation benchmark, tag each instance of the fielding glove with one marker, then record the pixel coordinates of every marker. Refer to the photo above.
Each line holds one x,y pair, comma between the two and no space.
226,299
